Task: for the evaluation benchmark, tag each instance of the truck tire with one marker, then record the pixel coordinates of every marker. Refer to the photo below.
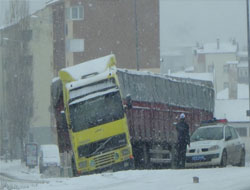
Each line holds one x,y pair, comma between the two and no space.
73,166
173,157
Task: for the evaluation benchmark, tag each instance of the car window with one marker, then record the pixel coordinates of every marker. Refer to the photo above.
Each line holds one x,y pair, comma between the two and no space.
227,133
242,131
211,133
234,133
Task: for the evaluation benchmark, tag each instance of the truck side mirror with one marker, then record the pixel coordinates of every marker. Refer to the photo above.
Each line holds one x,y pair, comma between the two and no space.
128,101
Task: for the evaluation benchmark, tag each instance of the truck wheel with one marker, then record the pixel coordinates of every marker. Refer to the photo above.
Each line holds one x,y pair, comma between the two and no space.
173,157
223,162
242,159
73,166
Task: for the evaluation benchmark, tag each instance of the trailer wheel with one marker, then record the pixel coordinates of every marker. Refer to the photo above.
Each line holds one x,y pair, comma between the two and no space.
173,157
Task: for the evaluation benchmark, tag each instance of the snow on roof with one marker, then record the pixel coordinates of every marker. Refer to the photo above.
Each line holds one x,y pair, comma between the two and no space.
232,62
197,76
49,2
189,69
242,93
173,53
232,110
50,153
212,48
98,65
242,54
243,64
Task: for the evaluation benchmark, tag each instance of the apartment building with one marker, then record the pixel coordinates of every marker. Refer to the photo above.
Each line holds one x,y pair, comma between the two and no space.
219,59
95,28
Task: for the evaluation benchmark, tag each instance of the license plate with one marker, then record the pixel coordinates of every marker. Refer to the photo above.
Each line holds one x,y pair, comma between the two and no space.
198,158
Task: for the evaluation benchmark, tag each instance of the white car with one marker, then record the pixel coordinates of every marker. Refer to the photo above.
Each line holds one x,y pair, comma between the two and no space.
49,158
215,145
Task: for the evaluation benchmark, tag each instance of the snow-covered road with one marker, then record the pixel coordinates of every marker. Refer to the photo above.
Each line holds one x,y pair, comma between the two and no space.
229,178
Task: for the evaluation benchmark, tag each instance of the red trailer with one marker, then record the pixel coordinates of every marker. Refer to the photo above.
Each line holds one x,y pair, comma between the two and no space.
158,101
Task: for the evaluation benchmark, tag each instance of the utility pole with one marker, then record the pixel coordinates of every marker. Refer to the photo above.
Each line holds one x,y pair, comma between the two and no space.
136,38
248,48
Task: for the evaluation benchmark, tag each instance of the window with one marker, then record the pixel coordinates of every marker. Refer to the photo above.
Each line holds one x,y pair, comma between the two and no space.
210,68
225,68
234,134
74,13
242,131
228,133
75,45
225,85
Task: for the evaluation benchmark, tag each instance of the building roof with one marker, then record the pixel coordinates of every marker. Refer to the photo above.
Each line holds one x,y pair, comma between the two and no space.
243,64
232,110
225,108
242,54
242,92
49,2
210,48
232,62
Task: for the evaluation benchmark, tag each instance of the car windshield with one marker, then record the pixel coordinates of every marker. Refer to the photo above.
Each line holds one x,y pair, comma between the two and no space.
208,133
96,111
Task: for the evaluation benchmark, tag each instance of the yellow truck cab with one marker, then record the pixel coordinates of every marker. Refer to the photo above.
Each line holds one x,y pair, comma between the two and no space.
96,117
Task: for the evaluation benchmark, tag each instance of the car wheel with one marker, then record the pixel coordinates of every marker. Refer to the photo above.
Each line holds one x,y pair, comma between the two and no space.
242,159
223,162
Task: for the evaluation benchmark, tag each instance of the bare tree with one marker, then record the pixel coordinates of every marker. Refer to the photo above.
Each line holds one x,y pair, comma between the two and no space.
19,71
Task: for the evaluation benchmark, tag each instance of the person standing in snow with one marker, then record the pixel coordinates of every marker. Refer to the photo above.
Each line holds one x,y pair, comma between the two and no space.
183,139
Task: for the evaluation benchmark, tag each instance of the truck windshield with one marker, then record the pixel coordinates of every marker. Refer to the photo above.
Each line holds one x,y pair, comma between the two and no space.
211,133
96,111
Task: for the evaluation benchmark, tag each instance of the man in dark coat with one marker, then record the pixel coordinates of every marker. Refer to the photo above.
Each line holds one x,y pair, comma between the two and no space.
183,140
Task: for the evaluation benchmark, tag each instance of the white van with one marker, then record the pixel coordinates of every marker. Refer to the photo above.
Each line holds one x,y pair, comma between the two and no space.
49,158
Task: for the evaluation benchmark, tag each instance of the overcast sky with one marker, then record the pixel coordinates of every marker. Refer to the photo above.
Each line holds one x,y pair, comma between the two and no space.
191,21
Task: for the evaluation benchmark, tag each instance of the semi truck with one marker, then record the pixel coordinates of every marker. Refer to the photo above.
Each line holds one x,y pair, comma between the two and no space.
95,117
148,106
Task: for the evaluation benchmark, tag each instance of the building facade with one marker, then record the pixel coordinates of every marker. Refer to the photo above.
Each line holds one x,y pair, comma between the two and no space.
215,58
95,28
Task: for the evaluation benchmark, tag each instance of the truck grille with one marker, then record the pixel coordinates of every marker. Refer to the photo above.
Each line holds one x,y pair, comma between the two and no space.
104,160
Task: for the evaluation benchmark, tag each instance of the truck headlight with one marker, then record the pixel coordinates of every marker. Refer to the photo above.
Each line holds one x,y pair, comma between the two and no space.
215,147
82,164
116,156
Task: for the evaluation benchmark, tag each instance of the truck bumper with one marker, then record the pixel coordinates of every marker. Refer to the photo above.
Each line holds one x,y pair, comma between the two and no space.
124,165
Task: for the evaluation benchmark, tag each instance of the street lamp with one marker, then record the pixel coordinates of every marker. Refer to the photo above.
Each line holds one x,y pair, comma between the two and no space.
248,44
136,38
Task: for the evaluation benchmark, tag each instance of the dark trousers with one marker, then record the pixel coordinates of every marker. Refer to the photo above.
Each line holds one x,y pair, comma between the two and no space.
181,155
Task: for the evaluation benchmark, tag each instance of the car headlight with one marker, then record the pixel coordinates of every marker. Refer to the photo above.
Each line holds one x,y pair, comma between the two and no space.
215,147
82,164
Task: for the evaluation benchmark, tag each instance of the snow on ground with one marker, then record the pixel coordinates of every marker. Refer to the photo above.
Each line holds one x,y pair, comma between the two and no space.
230,178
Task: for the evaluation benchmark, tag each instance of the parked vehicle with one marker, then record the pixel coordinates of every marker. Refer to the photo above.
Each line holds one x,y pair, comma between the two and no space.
215,145
151,105
49,158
